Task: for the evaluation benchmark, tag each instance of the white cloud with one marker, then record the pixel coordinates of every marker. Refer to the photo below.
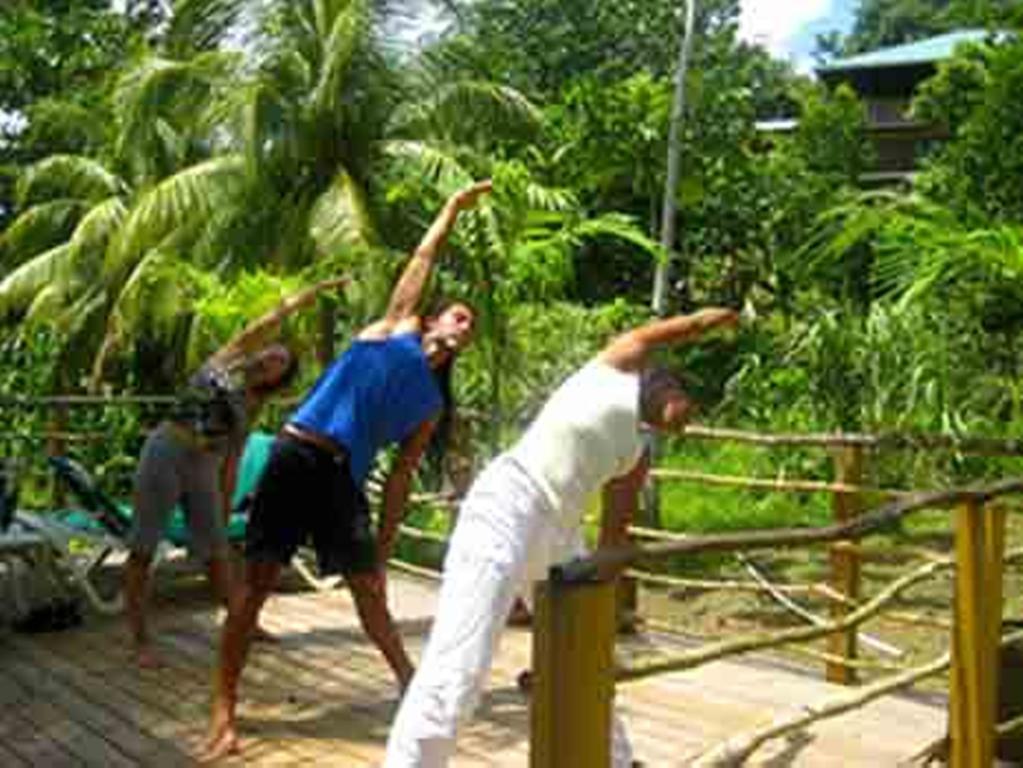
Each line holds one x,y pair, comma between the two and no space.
775,23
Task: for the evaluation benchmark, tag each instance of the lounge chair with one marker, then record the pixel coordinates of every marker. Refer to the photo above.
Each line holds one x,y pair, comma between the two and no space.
102,524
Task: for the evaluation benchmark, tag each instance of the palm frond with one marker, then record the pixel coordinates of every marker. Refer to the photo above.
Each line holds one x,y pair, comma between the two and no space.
619,227
340,217
157,102
186,198
20,287
39,228
152,294
544,198
71,176
468,111
96,228
46,305
436,163
348,26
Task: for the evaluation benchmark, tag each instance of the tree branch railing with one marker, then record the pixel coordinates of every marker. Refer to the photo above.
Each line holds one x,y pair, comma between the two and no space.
588,568
976,636
967,444
978,542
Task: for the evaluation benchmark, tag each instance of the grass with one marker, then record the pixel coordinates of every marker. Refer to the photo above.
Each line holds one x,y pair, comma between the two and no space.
692,507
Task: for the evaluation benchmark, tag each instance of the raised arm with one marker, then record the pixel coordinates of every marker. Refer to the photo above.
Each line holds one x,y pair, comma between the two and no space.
256,334
410,286
629,351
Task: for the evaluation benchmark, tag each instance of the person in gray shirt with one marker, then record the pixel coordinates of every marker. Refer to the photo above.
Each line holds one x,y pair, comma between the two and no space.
191,457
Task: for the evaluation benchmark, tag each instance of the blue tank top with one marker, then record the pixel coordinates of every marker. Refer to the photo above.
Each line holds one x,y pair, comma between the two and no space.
376,393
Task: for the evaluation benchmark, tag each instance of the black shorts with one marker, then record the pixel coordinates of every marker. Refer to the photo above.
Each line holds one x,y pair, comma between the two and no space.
308,494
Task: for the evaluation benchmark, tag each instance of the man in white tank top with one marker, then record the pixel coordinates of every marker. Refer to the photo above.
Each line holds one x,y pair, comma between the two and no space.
524,514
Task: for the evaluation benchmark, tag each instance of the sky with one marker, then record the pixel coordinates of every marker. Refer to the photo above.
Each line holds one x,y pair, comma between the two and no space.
788,28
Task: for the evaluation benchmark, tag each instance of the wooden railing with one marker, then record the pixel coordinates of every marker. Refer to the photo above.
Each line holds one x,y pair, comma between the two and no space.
584,589
577,595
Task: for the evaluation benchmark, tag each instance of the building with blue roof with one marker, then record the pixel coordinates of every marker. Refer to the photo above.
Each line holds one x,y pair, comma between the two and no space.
886,80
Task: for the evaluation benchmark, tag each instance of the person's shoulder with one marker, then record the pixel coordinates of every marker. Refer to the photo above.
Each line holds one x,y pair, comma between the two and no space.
383,330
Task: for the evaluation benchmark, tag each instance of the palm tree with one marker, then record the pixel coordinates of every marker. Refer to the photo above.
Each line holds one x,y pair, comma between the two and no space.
224,162
288,157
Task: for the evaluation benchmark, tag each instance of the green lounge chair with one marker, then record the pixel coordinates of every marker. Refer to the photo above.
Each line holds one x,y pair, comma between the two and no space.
105,523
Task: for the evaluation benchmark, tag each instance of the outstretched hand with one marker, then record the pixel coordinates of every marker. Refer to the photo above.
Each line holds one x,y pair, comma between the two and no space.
467,197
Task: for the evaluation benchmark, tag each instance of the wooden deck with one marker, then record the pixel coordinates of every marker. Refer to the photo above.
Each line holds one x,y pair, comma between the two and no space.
322,696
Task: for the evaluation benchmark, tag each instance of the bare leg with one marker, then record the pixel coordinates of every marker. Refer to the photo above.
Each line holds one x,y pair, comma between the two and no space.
371,602
136,588
242,618
229,589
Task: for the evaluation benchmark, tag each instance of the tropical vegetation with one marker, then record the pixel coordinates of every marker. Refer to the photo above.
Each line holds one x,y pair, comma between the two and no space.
168,171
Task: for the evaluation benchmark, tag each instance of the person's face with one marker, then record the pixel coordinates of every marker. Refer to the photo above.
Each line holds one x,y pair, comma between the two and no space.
451,330
668,408
269,367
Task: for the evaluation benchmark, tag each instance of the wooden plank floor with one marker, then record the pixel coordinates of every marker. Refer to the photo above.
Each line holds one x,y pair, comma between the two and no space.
322,696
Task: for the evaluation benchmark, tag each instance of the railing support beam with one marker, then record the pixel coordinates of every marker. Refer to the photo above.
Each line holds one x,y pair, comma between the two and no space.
573,675
980,544
845,564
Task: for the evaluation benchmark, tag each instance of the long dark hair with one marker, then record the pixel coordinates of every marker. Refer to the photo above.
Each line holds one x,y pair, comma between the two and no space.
441,438
288,375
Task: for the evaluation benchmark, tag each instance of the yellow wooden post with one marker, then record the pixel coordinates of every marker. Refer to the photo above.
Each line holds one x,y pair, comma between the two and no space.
994,561
845,563
980,542
573,675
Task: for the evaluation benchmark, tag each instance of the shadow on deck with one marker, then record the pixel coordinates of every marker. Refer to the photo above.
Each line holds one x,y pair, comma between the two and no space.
323,696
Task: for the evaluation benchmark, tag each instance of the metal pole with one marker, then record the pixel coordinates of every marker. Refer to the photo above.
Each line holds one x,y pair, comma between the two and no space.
670,206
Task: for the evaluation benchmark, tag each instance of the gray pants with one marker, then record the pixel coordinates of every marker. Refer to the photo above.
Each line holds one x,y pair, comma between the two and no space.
172,472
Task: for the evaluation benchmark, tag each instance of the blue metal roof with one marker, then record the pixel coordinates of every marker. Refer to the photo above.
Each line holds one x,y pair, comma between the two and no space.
927,51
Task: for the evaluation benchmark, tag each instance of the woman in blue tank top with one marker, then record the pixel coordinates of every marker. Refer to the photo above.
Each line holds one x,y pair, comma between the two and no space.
386,388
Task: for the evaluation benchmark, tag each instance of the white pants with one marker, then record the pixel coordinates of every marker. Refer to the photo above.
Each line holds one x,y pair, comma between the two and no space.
505,537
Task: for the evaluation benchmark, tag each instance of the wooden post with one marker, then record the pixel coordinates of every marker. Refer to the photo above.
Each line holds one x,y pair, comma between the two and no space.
845,563
980,543
627,591
55,446
573,675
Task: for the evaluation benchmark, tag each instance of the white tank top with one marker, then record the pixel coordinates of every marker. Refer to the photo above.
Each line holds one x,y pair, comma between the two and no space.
586,434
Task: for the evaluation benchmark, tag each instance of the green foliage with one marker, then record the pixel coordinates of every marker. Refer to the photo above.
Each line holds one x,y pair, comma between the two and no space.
56,59
881,23
977,95
165,197
831,137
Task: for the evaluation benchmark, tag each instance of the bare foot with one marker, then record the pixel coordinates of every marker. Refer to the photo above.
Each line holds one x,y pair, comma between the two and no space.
222,741
525,681
146,658
260,635
520,615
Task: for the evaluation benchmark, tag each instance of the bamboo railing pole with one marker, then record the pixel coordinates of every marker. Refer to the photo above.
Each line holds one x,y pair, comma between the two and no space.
573,680
844,559
979,541
777,485
867,523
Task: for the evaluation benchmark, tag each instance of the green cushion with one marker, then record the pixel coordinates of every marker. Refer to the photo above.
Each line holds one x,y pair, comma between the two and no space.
250,468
